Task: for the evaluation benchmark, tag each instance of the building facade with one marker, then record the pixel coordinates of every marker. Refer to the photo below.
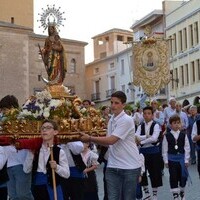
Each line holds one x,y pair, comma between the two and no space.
19,12
183,32
21,65
111,66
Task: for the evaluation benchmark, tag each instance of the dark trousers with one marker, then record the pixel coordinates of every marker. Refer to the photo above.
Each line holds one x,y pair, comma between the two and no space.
91,187
192,149
73,188
175,177
153,166
198,161
3,193
40,192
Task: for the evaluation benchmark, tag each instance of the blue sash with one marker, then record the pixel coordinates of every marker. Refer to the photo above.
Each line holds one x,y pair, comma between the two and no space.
150,150
41,179
76,173
179,158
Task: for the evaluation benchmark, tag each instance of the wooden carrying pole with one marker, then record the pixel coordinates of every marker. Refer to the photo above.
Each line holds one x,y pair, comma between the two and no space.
53,175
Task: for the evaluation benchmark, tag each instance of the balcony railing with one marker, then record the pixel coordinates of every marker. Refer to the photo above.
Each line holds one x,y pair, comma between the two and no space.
95,96
109,92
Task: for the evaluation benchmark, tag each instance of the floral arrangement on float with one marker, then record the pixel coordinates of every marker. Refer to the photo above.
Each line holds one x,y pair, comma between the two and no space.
71,117
43,106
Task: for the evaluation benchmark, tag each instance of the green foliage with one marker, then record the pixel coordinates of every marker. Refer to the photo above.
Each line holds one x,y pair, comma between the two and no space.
128,107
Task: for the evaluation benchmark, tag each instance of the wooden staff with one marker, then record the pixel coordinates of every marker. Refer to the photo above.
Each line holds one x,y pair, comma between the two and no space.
53,174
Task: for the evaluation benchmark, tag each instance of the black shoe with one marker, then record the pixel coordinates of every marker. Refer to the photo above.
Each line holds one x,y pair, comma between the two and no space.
182,195
176,196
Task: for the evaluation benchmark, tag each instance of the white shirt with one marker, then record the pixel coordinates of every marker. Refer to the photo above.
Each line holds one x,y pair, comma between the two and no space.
142,163
62,168
148,139
90,158
158,117
124,153
15,157
75,147
194,131
168,112
165,147
138,118
3,157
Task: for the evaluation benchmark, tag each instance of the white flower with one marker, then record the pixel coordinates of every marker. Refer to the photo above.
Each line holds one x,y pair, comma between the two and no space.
68,103
42,105
46,113
55,103
27,103
41,96
66,89
35,115
26,113
83,110
40,113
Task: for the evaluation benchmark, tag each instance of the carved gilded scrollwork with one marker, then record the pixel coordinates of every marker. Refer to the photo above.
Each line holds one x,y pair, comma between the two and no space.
151,65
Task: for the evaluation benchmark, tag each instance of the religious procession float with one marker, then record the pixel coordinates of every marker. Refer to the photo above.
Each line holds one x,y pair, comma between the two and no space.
55,101
150,70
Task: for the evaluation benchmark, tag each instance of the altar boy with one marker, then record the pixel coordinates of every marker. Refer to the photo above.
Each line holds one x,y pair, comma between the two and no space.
176,155
42,165
147,137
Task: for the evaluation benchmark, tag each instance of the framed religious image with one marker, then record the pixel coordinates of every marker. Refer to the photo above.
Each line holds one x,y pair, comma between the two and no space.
150,59
151,65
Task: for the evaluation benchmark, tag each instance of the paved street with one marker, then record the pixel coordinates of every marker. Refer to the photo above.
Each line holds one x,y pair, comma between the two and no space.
192,191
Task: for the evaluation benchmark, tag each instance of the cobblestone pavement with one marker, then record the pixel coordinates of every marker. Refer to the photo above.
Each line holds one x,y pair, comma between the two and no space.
192,190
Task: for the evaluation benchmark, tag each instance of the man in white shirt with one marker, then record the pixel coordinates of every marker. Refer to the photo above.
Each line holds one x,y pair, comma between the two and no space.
19,184
169,111
123,168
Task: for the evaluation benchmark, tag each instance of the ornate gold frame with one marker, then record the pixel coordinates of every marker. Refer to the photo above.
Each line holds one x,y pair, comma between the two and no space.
154,76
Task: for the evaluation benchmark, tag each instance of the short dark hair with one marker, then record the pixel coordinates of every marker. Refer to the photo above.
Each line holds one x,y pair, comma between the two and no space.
86,100
148,108
164,105
120,95
174,118
9,101
53,123
104,107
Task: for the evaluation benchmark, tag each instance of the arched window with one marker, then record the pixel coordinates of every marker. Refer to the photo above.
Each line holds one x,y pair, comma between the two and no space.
73,66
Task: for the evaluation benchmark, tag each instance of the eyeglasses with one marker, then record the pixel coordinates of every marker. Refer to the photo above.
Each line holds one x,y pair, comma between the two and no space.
46,128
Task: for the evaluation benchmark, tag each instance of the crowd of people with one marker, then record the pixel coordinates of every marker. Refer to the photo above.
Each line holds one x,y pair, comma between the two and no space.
135,150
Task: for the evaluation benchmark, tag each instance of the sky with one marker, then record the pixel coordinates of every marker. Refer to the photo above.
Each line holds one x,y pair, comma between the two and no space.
87,18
